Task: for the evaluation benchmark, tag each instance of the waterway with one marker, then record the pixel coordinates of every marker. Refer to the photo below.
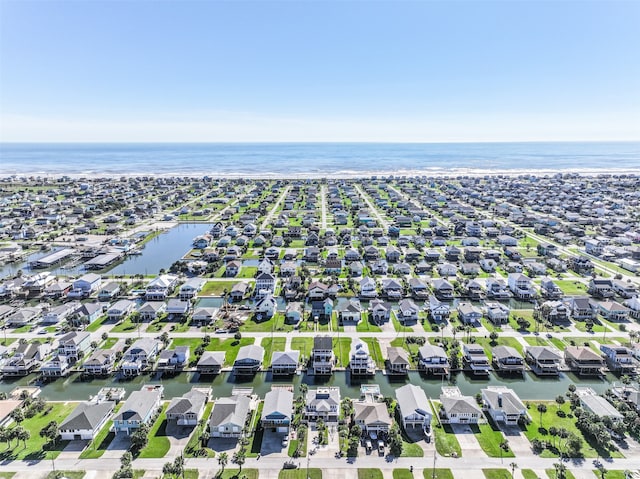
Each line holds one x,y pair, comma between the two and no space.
528,386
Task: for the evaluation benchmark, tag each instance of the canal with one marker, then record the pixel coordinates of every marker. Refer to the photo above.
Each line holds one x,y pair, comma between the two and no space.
528,386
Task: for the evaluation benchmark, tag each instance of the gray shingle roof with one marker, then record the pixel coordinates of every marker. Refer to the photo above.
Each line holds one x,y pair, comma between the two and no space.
86,416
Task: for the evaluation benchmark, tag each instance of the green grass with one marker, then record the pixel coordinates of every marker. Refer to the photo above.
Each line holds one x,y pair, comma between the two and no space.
270,345
398,326
304,345
551,418
341,348
446,441
67,474
6,475
374,351
552,474
411,449
570,287
102,440
369,473
235,473
158,444
194,441
191,474
366,326
439,474
402,474
529,474
256,438
536,341
217,288
276,323
497,473
501,341
312,473
490,439
93,327
127,326
230,346
35,445
611,474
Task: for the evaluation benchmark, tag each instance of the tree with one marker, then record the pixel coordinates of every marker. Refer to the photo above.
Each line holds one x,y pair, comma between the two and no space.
560,400
21,434
164,337
542,408
223,459
560,470
126,459
494,337
513,467
51,431
204,437
239,457
17,415
140,437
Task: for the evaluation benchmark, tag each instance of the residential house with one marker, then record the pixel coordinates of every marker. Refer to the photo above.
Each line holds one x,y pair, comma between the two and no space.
26,358
266,307
601,288
190,288
57,366
379,310
203,315
443,289
433,360
60,313
284,363
371,416
583,361
277,411
109,291
229,416
159,288
497,313
419,289
392,289
211,362
438,311
469,313
249,360
120,310
503,405
591,402
521,286
140,408
322,310
265,284
613,311
140,355
543,360
322,357
350,311
294,313
397,361
475,359
188,409
322,403
415,409
458,409
232,268
85,421
86,285
634,307
619,359
554,312
580,308
22,317
100,363
550,290
498,290
368,288
74,345
360,361
173,360
151,310
85,314
506,359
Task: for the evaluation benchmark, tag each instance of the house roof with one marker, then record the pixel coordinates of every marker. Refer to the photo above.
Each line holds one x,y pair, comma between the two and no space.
459,405
323,398
190,402
429,351
412,399
503,399
212,358
500,352
278,401
371,412
87,416
397,355
582,353
322,342
138,405
285,358
251,351
231,410
544,353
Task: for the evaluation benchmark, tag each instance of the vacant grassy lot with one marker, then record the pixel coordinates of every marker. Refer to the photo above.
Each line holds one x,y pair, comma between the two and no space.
553,475
439,474
496,473
67,474
217,288
304,345
342,348
402,474
194,441
34,448
366,326
270,345
235,474
230,346
374,351
446,441
489,437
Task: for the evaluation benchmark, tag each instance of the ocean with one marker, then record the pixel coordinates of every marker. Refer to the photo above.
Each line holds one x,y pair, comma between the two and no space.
337,160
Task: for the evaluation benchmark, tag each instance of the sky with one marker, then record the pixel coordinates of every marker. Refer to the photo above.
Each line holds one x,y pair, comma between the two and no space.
237,71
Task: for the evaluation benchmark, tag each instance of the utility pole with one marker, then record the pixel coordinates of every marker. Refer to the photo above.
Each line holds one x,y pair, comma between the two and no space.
433,471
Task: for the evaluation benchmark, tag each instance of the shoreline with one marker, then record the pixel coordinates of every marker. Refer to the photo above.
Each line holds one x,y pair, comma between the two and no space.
434,172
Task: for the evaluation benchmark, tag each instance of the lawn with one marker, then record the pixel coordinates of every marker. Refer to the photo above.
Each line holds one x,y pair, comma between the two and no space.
191,474
217,288
570,287
108,343
270,345
552,474
158,444
439,474
411,449
230,346
127,326
194,441
300,474
93,327
34,449
536,341
102,440
489,439
235,474
7,475
496,473
446,441
276,323
529,474
374,351
551,418
369,473
398,326
501,341
366,326
257,432
342,348
611,474
402,474
67,474
304,345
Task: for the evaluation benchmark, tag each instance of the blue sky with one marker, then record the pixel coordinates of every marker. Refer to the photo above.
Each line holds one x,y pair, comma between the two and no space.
319,71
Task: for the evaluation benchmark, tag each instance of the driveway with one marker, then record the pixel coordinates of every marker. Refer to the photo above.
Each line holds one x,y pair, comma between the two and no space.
117,447
518,442
468,442
272,444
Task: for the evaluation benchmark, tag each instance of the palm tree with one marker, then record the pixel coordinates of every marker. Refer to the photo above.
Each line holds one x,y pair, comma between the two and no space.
223,459
542,408
238,458
22,435
513,466
560,470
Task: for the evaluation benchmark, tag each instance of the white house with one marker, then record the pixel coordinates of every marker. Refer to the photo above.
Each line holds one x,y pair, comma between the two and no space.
85,421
